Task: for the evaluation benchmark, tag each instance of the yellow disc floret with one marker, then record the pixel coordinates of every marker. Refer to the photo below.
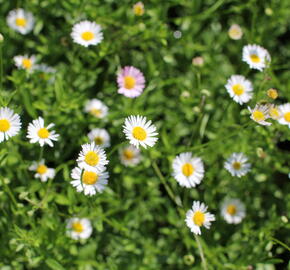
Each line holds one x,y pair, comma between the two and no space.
287,116
237,165
139,133
255,58
231,209
238,89
26,63
21,22
41,169
43,133
187,169
4,125
198,218
89,178
128,154
87,36
129,82
92,158
258,116
77,227
99,140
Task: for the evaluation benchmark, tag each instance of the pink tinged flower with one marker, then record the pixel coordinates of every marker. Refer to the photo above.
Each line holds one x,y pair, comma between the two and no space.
131,82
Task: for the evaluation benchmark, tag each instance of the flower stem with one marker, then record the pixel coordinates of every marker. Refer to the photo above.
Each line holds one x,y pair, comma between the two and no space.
203,260
8,190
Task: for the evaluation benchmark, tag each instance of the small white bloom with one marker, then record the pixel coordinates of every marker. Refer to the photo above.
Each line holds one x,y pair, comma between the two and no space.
237,164
130,155
87,33
96,108
25,62
139,131
37,132
256,56
79,228
89,182
188,170
239,88
100,136
92,157
20,20
260,113
285,114
235,32
10,123
233,211
46,72
42,171
274,112
197,217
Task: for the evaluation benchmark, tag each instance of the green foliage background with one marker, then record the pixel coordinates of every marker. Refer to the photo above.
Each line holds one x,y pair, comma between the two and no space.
136,223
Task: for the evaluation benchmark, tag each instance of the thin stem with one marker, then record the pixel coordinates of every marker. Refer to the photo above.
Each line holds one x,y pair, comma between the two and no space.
1,68
9,191
41,153
203,260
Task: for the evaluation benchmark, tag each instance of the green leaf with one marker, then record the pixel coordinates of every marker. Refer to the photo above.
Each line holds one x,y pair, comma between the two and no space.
53,264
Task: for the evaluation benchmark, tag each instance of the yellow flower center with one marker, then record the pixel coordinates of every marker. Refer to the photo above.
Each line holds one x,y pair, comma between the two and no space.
238,89
43,133
77,227
187,169
235,32
129,82
99,140
287,116
4,125
89,178
237,165
96,112
258,116
272,93
128,154
274,113
139,133
42,169
198,218
87,36
91,158
139,9
21,22
255,58
231,209
26,63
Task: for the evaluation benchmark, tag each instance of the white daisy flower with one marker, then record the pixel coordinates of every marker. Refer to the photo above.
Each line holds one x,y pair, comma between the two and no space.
233,211
46,72
42,171
237,165
25,62
256,56
96,108
274,112
239,88
235,32
37,132
87,33
89,181
140,132
20,20
92,157
100,136
188,170
259,114
285,114
197,217
130,155
10,123
79,228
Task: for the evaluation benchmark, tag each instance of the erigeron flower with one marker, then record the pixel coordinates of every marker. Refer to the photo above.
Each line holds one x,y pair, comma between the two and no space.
233,211
79,228
198,217
89,181
188,170
25,62
239,88
130,155
256,56
131,82
139,131
42,171
100,136
10,123
272,93
37,132
285,114
235,32
87,33
237,165
138,9
92,157
20,20
274,112
198,61
260,113
46,72
96,108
